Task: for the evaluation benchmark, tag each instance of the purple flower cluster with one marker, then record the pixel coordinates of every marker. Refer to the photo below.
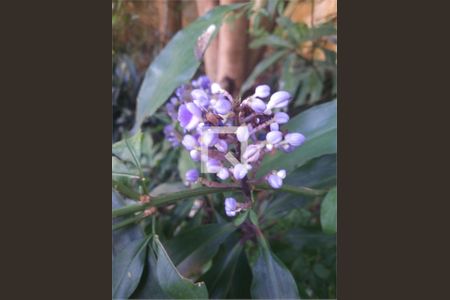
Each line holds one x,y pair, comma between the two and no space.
202,105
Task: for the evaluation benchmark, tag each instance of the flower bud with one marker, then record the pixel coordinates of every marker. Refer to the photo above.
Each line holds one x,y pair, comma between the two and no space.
275,181
200,97
231,207
274,127
223,173
192,175
189,115
278,100
242,133
295,139
195,155
281,117
262,91
222,106
258,105
189,142
240,171
251,154
215,88
282,174
274,137
221,145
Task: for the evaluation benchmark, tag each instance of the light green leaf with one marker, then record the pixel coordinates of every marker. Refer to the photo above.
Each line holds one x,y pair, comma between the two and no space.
261,67
328,212
318,124
177,63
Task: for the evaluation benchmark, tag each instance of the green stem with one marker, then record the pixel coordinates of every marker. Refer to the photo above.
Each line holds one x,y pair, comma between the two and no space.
169,199
294,190
128,221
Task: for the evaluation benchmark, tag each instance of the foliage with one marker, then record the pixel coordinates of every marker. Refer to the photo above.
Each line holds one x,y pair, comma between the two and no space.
172,241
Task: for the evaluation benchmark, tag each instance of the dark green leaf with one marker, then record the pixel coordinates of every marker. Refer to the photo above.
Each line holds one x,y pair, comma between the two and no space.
127,268
161,280
318,125
328,212
220,276
271,279
171,281
192,249
124,236
177,63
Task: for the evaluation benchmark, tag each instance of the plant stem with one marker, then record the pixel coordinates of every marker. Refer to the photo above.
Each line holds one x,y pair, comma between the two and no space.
294,190
129,221
169,199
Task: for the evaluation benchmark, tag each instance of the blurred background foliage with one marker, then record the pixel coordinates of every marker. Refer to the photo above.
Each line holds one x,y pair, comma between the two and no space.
290,45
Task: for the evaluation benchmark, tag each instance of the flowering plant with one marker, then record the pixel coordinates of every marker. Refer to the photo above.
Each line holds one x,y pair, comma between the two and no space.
220,196
202,106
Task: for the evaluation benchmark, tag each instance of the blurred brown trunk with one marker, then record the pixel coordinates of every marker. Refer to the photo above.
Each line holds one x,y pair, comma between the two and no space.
210,58
233,52
169,13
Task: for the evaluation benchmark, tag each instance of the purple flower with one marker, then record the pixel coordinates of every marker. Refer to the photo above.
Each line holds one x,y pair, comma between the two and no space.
189,142
281,117
251,154
262,91
223,173
200,97
221,145
258,105
222,106
202,82
278,100
192,175
208,138
171,136
240,171
274,137
242,133
275,179
189,115
231,207
213,165
295,139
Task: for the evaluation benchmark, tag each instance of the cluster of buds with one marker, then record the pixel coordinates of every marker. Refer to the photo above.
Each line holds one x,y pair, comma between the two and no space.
202,106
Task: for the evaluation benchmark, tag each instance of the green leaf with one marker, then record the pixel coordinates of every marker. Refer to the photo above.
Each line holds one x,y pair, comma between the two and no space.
261,67
127,268
270,40
328,212
271,279
240,218
318,125
171,281
122,151
176,63
161,279
168,188
253,217
219,277
122,237
191,249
